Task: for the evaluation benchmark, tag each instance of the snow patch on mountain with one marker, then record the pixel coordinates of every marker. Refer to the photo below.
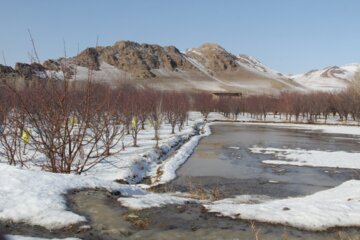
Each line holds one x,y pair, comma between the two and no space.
329,78
252,63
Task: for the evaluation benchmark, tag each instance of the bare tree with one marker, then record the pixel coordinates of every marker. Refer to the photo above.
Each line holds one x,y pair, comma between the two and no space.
155,101
204,103
175,107
14,137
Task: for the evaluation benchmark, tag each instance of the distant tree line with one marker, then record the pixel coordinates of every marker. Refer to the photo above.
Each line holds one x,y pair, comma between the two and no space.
291,106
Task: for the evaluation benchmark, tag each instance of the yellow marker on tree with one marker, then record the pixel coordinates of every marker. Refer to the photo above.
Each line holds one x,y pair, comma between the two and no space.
73,120
25,136
134,122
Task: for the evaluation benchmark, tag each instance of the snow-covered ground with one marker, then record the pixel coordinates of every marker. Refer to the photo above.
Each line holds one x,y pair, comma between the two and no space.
313,158
153,200
37,198
332,120
336,207
325,128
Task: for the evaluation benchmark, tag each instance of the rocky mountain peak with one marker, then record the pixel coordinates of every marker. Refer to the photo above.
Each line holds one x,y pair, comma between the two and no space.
7,72
28,71
6,69
140,59
214,57
125,44
88,58
211,47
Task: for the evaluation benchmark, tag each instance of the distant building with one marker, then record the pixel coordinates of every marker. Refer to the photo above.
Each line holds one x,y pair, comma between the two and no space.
226,94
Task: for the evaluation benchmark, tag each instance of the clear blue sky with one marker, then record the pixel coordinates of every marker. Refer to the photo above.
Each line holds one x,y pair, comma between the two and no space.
291,36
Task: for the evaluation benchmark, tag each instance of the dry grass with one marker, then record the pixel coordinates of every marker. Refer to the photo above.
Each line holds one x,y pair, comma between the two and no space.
197,192
136,220
216,194
256,231
200,193
344,236
141,223
159,173
285,235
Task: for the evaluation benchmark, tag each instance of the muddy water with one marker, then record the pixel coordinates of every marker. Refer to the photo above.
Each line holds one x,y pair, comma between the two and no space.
224,161
108,220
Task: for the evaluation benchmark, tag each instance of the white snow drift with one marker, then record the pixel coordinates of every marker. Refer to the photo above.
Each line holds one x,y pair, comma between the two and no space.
336,207
170,166
313,158
37,198
153,200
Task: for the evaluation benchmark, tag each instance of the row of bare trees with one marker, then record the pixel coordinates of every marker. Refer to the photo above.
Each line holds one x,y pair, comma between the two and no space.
309,107
70,127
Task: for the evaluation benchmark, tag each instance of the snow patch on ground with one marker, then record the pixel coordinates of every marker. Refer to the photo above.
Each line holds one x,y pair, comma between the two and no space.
331,129
233,147
336,207
215,116
170,166
153,200
313,158
37,198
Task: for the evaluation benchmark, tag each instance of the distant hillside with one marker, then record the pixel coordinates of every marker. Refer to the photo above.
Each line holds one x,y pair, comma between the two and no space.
329,78
209,67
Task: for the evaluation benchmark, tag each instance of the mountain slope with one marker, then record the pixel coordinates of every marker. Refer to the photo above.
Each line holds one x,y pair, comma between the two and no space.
238,72
329,78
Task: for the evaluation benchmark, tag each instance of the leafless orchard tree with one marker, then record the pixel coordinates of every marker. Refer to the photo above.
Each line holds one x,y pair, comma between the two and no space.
175,107
204,103
12,130
183,107
155,103
74,125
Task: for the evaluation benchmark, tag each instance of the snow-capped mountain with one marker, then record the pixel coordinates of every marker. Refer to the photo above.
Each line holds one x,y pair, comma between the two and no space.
329,78
209,67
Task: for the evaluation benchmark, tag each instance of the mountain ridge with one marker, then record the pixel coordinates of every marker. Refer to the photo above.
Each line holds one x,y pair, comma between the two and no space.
209,67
